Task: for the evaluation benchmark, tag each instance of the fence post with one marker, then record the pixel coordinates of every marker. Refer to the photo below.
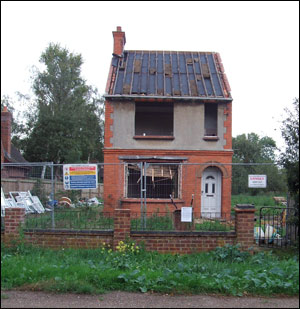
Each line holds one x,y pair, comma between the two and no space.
121,226
52,196
244,223
14,217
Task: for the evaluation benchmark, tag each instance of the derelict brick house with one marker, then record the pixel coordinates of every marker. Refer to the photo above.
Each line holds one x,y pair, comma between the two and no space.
9,153
169,107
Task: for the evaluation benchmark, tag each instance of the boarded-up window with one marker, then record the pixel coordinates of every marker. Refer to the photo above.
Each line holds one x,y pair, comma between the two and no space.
162,180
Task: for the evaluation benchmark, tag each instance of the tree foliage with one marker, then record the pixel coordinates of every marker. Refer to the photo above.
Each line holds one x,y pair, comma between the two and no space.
66,124
250,148
290,157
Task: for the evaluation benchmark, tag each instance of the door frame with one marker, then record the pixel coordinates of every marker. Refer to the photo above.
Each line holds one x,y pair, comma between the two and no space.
215,172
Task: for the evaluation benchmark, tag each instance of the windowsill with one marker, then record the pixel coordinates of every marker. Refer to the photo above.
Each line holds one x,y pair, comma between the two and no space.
211,138
155,137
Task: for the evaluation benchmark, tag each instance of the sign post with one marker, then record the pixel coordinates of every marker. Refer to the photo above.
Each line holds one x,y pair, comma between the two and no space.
80,176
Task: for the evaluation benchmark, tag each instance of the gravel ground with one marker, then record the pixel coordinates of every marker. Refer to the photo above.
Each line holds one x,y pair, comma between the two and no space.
27,299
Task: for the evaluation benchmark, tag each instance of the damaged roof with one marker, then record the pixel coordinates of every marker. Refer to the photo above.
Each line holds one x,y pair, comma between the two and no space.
195,75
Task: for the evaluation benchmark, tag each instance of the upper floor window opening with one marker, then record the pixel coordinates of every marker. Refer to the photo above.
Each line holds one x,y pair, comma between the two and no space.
154,119
211,119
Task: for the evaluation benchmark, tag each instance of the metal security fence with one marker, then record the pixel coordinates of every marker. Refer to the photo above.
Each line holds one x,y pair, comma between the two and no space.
171,221
277,227
152,188
78,219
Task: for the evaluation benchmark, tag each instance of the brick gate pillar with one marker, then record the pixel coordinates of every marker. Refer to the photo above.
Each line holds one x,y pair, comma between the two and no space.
14,217
244,223
121,226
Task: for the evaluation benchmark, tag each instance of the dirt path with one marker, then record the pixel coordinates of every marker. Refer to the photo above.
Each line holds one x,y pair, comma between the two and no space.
26,299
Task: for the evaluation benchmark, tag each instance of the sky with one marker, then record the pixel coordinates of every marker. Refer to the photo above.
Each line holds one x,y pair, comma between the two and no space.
258,42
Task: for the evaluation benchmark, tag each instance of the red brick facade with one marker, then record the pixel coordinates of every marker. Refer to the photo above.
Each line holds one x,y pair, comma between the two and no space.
121,89
192,174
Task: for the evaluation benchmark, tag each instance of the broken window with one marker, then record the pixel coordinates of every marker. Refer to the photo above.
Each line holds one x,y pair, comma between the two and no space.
154,119
211,119
162,180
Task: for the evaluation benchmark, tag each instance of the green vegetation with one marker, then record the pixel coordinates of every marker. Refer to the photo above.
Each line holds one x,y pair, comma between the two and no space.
79,218
290,157
225,271
63,122
250,149
258,200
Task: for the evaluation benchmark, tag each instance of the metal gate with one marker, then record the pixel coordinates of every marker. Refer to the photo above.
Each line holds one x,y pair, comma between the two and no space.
277,227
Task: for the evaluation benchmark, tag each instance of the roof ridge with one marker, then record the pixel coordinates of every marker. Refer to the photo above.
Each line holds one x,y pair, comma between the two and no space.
171,51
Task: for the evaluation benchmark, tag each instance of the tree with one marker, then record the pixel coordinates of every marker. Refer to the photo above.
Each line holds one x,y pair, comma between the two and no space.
249,149
290,157
66,124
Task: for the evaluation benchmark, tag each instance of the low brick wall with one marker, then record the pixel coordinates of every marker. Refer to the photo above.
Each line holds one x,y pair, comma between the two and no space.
171,242
183,242
68,239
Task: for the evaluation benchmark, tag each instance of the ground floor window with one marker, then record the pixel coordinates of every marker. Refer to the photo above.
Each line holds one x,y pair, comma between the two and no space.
162,180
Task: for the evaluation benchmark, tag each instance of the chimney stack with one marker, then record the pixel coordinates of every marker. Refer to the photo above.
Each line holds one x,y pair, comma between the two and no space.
119,41
6,119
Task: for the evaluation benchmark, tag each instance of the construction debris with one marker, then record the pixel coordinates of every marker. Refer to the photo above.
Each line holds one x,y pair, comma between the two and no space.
32,204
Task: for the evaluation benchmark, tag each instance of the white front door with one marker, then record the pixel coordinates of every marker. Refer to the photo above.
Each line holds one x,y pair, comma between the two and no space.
211,193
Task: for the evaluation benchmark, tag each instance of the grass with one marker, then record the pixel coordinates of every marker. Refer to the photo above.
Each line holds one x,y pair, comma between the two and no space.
258,201
226,271
79,218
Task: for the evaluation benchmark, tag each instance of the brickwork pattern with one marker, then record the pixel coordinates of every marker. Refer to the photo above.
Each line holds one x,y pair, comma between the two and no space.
173,242
114,190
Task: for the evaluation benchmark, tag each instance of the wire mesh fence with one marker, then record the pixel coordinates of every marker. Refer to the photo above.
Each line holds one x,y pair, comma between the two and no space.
156,189
172,221
79,219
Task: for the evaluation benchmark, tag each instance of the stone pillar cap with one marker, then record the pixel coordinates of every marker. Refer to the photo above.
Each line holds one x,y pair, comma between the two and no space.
245,206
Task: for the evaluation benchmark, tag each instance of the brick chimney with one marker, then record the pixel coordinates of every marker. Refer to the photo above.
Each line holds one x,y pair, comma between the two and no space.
119,41
6,119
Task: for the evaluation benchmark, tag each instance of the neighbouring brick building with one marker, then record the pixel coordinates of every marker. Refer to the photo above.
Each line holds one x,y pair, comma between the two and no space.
9,153
167,108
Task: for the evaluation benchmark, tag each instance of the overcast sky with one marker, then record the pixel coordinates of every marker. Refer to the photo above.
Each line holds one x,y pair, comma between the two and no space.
258,43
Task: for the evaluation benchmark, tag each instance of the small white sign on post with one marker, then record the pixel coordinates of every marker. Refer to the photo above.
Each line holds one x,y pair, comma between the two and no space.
186,214
257,181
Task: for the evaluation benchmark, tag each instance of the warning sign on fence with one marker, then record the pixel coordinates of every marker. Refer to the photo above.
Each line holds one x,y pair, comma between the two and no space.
257,181
80,176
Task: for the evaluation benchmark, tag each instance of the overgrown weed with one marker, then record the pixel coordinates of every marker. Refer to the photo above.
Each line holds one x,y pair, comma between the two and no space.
226,270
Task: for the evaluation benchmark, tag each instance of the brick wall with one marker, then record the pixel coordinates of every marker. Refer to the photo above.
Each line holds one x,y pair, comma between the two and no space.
68,239
178,241
6,120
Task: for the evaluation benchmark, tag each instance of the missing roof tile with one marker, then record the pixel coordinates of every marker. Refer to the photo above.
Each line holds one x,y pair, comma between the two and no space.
168,69
193,87
126,89
152,70
160,91
205,70
198,77
137,66
189,61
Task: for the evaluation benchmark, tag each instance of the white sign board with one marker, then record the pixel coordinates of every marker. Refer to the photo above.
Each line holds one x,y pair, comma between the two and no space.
186,214
257,181
80,176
